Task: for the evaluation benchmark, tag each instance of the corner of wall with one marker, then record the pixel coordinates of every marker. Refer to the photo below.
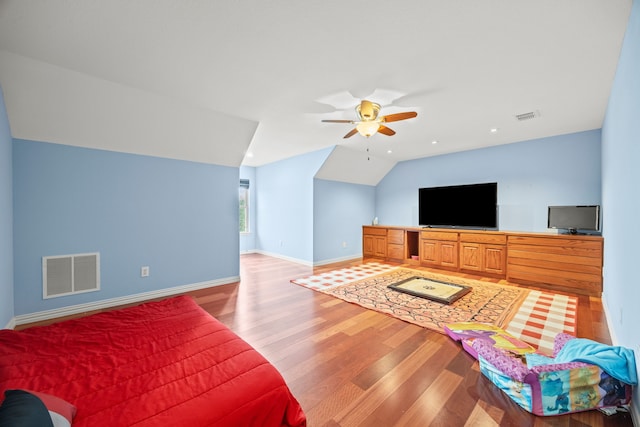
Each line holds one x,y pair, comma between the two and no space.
7,307
11,324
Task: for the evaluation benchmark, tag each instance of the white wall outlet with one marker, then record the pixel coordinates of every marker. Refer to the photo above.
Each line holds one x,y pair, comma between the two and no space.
344,244
144,271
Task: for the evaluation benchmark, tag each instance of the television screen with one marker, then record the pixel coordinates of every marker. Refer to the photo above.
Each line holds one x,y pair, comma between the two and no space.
574,218
472,206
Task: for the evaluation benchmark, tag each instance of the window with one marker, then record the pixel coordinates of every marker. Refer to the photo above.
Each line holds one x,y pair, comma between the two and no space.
243,195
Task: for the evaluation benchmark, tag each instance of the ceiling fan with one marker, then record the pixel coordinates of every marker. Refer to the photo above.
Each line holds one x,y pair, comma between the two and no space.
370,123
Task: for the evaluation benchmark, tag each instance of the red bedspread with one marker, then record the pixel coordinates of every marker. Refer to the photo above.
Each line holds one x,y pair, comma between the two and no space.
166,363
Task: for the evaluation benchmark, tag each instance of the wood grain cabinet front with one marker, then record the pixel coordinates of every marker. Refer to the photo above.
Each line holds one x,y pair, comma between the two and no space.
483,253
439,249
374,242
569,263
557,262
395,244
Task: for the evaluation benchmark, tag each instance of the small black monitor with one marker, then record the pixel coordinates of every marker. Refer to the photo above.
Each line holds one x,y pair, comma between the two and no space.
574,218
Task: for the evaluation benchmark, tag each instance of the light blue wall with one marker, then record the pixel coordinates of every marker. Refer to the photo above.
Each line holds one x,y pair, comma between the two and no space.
248,240
621,194
6,218
284,200
179,218
531,175
340,209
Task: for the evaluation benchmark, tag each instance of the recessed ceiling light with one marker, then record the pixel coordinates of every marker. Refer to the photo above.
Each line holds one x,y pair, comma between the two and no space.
494,130
249,154
434,141
389,151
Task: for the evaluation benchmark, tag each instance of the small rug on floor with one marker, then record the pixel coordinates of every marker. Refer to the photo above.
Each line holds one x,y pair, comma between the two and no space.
486,303
542,316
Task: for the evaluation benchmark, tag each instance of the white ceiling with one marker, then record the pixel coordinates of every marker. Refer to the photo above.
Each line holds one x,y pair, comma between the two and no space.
210,80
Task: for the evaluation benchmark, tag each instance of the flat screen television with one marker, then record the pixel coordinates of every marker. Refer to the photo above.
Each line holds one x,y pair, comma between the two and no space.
468,206
574,218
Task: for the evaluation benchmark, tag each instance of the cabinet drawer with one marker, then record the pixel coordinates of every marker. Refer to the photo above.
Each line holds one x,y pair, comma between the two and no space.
375,231
587,284
439,235
494,239
395,236
395,251
580,243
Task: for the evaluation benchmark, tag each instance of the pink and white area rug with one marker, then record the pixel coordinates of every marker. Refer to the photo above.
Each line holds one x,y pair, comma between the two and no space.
536,317
343,276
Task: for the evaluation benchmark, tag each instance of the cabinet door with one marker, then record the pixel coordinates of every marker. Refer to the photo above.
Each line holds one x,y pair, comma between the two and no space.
495,259
429,252
368,245
380,246
449,254
471,255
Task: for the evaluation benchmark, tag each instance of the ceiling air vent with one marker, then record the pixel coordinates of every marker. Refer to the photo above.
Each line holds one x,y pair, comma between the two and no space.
528,116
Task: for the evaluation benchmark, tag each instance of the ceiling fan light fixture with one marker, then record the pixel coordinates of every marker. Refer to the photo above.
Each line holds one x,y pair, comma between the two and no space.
367,129
370,122
368,110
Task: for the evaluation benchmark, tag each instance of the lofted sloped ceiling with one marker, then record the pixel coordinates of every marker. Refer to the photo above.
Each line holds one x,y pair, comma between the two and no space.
47,103
215,81
354,166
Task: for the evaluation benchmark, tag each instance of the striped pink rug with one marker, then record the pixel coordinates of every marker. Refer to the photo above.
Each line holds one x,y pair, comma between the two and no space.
541,317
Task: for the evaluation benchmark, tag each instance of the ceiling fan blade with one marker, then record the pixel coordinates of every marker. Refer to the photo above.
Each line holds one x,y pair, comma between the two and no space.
386,131
399,116
350,134
337,121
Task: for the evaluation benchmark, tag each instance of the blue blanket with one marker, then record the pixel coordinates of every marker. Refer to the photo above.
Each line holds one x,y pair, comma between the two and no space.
619,362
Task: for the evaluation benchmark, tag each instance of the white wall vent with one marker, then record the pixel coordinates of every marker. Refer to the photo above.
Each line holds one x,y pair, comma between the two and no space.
527,116
70,274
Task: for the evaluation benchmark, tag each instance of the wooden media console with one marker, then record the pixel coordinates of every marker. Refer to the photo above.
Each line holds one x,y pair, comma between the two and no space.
571,263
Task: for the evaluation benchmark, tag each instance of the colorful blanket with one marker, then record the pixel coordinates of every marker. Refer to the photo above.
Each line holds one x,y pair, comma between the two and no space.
619,362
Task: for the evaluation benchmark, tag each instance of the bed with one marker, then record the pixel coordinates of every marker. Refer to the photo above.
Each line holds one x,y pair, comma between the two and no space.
165,363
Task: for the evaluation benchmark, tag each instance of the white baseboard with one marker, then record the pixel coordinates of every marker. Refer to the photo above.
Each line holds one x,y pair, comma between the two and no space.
284,257
308,263
609,318
113,302
11,324
331,261
635,401
635,413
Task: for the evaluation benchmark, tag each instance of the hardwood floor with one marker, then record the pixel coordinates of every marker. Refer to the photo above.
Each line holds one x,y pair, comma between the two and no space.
349,366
